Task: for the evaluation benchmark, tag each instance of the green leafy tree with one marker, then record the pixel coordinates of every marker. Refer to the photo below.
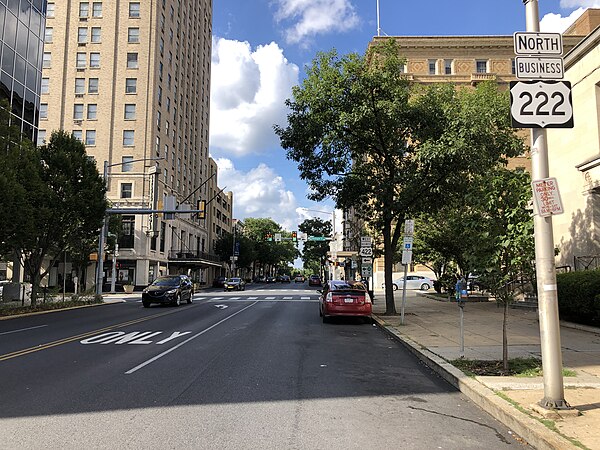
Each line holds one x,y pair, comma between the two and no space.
224,248
362,134
64,206
314,253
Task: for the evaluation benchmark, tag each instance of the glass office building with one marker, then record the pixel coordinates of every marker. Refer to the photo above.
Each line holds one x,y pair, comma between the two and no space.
22,29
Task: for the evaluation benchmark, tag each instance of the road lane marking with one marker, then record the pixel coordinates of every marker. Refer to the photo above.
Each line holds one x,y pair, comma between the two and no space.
269,298
23,329
234,298
305,298
287,298
166,352
40,347
221,306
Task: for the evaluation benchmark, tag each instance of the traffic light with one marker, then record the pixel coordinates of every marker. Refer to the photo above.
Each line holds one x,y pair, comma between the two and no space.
294,236
201,206
269,237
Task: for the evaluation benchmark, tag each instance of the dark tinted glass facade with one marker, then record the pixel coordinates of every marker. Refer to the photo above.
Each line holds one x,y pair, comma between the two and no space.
22,25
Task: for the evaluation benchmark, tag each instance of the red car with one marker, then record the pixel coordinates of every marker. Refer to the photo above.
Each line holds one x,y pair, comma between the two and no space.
344,298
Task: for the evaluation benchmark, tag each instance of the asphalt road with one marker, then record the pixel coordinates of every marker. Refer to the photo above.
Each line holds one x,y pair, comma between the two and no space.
254,369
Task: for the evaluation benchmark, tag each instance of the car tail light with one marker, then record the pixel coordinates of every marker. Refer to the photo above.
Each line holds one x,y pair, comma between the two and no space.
329,297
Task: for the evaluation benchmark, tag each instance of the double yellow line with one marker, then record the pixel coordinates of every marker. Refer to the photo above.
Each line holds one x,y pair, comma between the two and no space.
66,340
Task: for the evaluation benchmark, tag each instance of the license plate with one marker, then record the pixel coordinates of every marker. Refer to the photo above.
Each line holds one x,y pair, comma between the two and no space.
348,300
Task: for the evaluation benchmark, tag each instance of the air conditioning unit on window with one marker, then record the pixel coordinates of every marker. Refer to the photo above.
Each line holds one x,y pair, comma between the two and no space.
77,121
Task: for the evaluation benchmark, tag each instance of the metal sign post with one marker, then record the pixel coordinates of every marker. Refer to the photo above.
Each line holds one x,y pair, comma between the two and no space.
409,229
554,394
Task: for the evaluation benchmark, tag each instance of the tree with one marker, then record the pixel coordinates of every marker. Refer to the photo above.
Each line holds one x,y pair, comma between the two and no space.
362,134
64,206
224,248
315,252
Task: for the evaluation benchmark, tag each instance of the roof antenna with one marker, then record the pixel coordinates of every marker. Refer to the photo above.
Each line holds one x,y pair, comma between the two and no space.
378,27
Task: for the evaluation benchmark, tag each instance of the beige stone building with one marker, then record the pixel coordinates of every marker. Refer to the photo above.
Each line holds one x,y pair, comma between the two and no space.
463,61
574,158
132,81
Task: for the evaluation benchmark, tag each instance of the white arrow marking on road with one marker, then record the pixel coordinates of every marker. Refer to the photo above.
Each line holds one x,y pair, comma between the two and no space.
221,306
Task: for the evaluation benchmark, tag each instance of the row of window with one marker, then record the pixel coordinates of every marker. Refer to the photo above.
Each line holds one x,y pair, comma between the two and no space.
92,111
84,10
92,86
81,61
90,137
481,66
93,35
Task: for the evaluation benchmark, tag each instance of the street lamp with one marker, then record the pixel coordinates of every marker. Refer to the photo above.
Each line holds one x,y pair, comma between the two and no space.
100,265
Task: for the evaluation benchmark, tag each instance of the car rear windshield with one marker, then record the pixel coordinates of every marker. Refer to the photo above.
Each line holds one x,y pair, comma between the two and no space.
234,280
347,286
166,281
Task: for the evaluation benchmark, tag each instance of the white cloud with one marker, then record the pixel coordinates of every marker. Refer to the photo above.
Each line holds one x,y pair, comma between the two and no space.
260,192
248,91
308,18
558,23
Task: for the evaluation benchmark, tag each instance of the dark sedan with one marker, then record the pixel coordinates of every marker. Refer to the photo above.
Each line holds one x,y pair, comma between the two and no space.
169,289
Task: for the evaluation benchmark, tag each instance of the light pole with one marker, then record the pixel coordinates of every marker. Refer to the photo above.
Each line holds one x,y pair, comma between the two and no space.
100,265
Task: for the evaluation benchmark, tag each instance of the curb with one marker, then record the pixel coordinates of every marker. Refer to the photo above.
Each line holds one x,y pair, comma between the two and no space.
528,428
37,313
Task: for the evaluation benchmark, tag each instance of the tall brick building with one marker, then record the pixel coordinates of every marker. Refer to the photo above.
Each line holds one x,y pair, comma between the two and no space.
131,80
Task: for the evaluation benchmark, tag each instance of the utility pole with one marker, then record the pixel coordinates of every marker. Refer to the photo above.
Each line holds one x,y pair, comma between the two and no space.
554,394
233,252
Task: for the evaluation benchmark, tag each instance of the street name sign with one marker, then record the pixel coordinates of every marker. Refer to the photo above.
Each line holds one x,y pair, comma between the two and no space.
547,197
365,251
316,238
541,104
532,43
540,68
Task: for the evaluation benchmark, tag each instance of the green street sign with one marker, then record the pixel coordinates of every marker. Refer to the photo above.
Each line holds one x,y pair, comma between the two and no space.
317,238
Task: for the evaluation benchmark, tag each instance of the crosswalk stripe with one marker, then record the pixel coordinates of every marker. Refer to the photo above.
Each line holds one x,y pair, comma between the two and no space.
287,298
269,298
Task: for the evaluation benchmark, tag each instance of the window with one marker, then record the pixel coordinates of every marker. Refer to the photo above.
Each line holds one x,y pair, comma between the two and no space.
93,86
96,35
50,10
90,137
134,10
133,35
43,110
431,64
481,66
92,111
45,86
79,85
81,60
128,138
47,60
126,164
448,66
126,191
84,9
77,134
130,85
127,237
132,60
82,35
48,35
97,9
78,111
41,137
129,111
95,60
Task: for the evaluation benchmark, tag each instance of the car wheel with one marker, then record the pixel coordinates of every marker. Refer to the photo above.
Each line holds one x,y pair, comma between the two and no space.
146,304
177,301
424,287
394,287
325,319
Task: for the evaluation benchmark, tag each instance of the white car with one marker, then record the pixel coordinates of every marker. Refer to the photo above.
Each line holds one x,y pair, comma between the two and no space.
413,282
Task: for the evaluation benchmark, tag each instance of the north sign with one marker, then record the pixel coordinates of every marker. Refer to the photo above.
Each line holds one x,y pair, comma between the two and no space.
539,68
541,104
530,43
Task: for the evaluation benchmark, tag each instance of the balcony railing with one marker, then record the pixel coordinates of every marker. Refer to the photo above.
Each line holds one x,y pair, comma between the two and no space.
192,255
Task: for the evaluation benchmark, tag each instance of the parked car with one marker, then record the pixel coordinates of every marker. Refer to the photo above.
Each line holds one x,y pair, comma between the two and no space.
314,280
260,279
2,283
344,298
412,282
219,282
285,279
168,289
271,279
299,279
235,284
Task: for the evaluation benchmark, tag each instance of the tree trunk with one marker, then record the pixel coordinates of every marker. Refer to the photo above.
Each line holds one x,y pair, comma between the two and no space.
505,338
388,263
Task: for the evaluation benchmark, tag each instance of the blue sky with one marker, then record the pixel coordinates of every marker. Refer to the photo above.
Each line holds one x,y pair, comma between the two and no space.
260,49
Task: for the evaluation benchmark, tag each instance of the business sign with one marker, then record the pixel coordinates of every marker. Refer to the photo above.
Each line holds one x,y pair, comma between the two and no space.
541,104
539,68
532,43
547,197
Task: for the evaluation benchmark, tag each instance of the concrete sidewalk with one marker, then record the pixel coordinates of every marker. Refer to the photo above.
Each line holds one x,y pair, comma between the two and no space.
432,331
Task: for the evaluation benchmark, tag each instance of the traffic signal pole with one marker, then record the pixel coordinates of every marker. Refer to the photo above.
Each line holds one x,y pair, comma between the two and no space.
554,395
